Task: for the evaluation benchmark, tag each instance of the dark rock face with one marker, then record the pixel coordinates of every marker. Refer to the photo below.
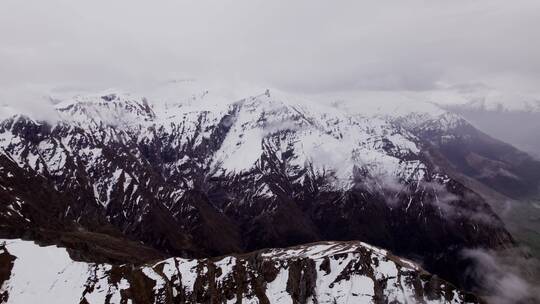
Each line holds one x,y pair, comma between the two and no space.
6,266
167,187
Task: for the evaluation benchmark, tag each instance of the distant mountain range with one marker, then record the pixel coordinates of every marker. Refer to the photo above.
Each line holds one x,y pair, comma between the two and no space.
518,124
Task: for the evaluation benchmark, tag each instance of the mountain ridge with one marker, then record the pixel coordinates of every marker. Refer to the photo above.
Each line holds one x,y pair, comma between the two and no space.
315,273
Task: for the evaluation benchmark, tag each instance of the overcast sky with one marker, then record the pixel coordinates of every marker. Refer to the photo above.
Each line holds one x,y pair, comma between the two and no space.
304,46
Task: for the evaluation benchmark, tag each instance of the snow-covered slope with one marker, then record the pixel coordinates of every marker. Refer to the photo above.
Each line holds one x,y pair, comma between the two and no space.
331,272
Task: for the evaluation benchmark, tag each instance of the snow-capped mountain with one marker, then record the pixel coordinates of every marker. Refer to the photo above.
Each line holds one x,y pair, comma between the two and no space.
123,179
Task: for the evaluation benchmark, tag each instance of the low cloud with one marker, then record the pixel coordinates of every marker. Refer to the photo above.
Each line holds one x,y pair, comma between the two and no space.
29,101
504,277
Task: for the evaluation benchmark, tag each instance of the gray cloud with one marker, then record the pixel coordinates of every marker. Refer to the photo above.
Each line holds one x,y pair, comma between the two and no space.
304,46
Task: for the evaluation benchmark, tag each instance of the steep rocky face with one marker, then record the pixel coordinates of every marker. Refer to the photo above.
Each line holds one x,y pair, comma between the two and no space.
317,273
199,181
31,207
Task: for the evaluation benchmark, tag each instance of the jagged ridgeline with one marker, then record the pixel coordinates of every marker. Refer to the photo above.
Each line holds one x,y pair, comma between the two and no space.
118,179
317,273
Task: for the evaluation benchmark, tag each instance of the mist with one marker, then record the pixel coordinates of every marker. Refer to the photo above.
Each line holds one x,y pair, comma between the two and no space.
518,128
504,277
